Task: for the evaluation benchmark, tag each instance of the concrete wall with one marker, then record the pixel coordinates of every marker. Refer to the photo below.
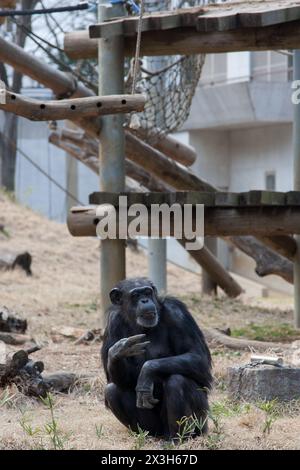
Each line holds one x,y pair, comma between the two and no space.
255,151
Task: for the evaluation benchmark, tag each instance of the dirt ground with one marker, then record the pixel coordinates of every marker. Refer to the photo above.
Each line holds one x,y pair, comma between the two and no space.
64,291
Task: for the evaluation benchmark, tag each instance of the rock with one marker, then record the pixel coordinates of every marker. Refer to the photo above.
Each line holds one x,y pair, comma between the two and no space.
264,382
295,359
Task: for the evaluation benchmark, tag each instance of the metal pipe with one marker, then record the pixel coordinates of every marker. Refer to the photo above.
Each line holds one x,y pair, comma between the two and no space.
112,149
296,151
157,263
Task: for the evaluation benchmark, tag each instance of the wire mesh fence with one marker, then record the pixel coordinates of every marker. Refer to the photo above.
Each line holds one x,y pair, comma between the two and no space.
168,82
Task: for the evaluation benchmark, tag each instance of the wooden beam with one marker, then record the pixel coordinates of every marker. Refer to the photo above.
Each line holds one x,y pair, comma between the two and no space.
169,146
93,106
186,41
162,167
216,271
266,261
285,246
218,222
133,170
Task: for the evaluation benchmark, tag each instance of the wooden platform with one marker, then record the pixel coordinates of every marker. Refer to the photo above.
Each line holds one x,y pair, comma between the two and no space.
209,199
218,17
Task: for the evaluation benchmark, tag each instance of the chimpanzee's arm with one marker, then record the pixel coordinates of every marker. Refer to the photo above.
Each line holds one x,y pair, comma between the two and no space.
117,350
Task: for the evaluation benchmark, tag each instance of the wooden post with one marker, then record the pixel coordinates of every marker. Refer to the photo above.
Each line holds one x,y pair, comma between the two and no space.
112,150
209,286
296,148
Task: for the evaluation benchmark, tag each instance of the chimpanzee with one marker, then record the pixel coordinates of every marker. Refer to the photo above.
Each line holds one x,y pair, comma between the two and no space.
156,360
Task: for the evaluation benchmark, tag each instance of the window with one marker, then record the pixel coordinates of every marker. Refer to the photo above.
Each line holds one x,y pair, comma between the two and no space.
270,181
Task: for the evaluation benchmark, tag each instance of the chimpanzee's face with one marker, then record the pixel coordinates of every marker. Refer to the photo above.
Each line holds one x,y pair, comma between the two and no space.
144,304
138,301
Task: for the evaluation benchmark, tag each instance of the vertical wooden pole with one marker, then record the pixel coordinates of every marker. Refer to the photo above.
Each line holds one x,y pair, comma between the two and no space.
209,286
112,149
296,149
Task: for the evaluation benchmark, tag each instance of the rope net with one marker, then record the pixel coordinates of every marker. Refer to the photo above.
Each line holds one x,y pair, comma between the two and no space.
169,82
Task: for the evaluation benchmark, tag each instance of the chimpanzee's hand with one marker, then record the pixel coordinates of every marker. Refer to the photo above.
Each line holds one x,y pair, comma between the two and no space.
144,388
145,398
127,347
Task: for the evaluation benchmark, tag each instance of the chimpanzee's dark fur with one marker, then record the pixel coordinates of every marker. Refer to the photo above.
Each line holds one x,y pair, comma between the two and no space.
164,373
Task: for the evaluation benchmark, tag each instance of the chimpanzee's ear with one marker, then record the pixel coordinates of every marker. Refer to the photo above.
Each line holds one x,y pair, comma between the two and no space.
116,296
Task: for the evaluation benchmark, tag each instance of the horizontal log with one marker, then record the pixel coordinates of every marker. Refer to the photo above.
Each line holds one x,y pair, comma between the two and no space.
14,339
185,41
93,106
216,338
59,381
218,222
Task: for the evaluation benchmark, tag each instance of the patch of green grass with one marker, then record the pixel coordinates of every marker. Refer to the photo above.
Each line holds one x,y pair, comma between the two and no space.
139,437
228,408
268,332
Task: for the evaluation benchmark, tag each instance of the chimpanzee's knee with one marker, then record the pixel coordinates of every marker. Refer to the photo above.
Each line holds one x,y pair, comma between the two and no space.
111,395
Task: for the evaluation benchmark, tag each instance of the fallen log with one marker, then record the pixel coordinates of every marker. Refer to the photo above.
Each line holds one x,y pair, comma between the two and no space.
16,260
10,322
26,374
14,339
60,381
216,338
92,106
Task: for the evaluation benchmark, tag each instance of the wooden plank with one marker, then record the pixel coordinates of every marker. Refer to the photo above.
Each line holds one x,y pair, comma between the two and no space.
209,199
218,17
257,198
293,198
227,199
235,18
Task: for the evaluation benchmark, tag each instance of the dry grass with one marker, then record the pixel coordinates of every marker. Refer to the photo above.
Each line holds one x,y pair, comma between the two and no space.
64,291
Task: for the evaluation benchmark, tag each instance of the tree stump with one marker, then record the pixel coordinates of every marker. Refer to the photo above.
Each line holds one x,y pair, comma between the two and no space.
258,382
